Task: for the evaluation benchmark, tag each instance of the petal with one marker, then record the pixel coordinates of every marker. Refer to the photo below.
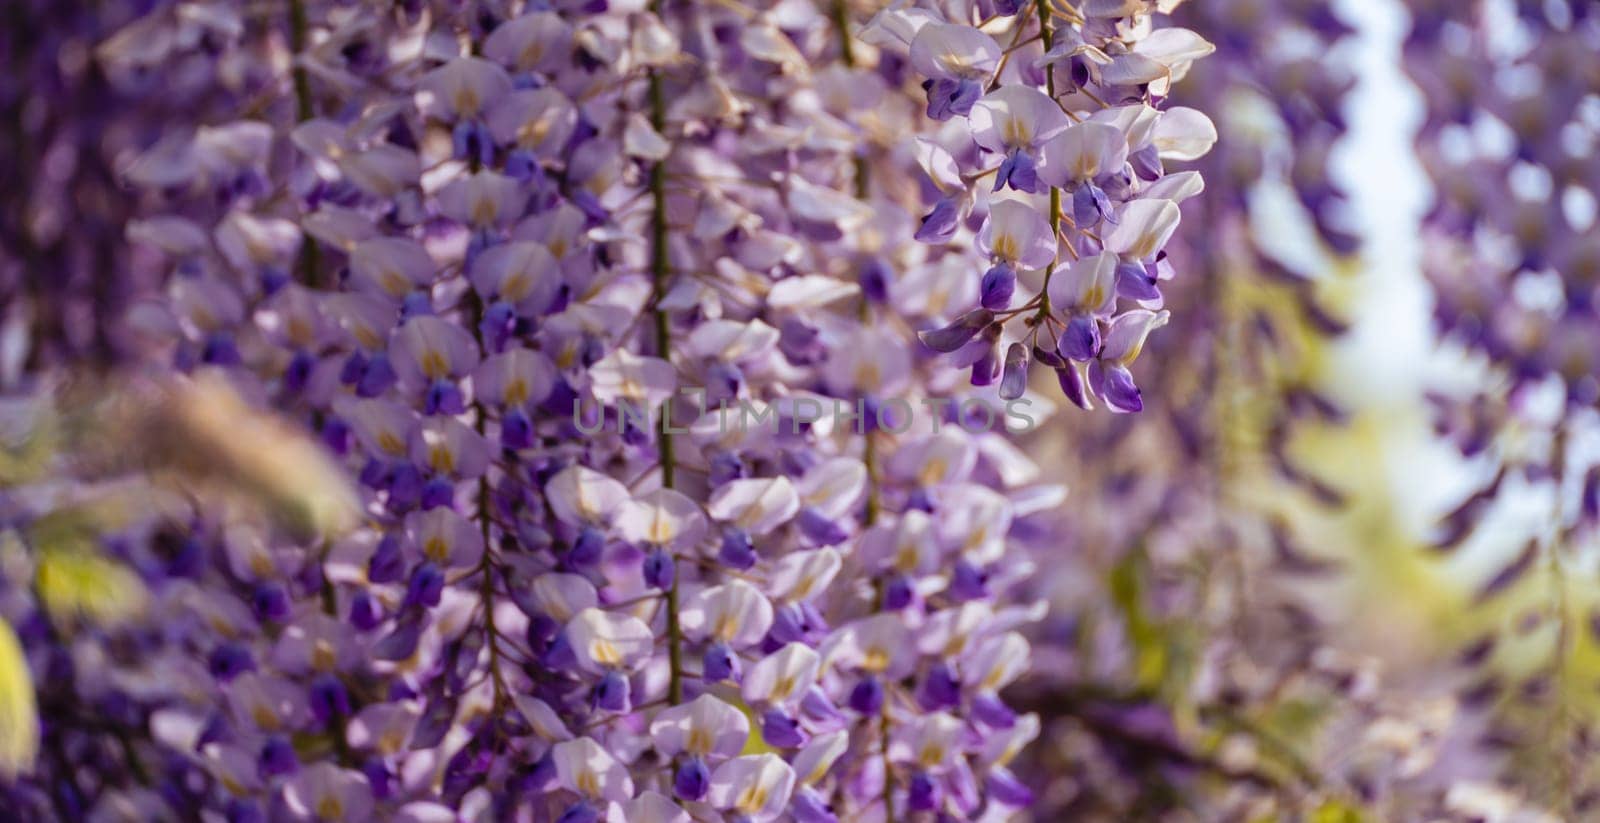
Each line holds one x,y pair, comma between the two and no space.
781,676
1174,48
652,807
484,200
587,768
1183,134
1071,381
732,341
445,537
811,764
957,334
996,662
1014,378
640,139
757,505
394,266
1083,152
382,171
954,51
1016,117
1016,233
939,164
756,786
799,575
532,42
897,27
1143,228
514,378
539,120
428,348
521,273
703,726
1088,285
1137,121
1126,335
1132,69
608,641
833,487
735,613
1080,340
461,88
580,495
809,291
1177,187
557,595
663,518
1114,384
624,376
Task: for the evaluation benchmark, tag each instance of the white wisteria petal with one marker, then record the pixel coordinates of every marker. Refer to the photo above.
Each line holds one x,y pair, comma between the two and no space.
732,341
587,768
810,291
640,139
1016,117
580,495
1183,133
757,787
1126,336
703,727
608,641
1086,285
1017,233
782,676
1176,48
799,575
624,376
1083,152
757,505
1143,228
664,517
1177,187
955,51
735,613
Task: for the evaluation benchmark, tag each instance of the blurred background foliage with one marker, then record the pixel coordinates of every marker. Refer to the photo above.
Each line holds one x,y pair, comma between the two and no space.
87,464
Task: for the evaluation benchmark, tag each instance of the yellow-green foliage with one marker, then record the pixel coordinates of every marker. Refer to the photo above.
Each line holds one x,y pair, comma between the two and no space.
19,715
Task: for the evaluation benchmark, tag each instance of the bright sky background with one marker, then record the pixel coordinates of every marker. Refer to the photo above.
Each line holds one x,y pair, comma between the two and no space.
1390,359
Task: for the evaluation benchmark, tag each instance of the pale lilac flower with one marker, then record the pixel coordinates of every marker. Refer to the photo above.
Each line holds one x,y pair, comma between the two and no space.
754,787
1015,122
586,768
957,60
323,791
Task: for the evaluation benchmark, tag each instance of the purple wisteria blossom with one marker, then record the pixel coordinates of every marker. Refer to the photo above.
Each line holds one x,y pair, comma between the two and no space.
510,267
1068,117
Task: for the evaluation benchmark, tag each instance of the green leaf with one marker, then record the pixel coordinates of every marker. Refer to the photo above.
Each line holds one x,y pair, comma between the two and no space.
29,438
1334,811
1149,642
19,713
75,583
754,743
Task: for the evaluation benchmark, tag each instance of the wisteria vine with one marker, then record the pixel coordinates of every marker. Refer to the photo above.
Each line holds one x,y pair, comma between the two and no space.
464,245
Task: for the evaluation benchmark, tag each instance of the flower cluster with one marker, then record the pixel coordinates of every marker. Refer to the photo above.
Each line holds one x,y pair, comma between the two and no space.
511,266
1506,142
1512,252
1054,153
1195,622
